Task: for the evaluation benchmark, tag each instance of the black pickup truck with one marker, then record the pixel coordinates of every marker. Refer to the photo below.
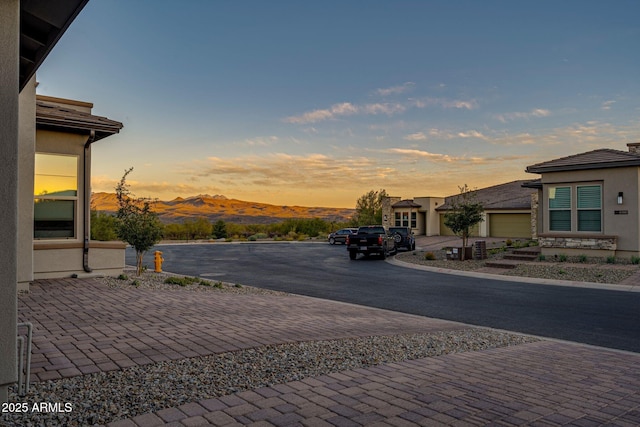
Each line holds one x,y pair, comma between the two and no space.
371,239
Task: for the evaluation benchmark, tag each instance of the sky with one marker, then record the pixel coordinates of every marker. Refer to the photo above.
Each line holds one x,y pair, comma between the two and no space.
315,103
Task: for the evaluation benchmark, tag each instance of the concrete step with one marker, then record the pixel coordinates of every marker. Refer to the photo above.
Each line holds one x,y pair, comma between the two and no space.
521,257
504,263
533,250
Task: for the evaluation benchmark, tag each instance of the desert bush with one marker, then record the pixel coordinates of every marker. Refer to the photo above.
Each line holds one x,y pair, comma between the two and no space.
429,256
181,281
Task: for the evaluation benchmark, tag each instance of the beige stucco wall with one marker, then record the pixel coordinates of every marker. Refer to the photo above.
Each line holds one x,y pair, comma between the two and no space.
9,137
64,259
53,258
25,172
431,217
613,180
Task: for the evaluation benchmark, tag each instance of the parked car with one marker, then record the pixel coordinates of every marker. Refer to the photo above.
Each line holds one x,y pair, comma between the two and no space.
404,238
340,236
371,239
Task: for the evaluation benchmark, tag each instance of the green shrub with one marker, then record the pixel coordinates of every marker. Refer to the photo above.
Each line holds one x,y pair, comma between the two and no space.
508,242
541,257
635,259
218,285
135,283
611,259
123,277
204,283
252,238
181,281
429,256
582,258
237,285
562,258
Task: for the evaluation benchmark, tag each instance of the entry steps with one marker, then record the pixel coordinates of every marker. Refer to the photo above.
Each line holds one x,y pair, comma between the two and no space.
516,257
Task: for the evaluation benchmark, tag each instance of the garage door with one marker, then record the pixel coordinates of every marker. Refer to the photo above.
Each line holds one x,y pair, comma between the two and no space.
510,225
446,231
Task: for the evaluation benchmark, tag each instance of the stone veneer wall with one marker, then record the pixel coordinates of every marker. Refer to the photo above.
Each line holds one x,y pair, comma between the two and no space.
534,215
607,243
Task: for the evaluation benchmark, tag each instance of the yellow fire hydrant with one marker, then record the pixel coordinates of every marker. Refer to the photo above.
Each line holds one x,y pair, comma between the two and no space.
158,261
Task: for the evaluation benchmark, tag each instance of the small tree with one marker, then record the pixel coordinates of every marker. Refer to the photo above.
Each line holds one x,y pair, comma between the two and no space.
138,224
220,229
464,214
369,208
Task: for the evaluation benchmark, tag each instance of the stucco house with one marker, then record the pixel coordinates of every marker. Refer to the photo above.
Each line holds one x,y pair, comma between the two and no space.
54,192
507,212
589,203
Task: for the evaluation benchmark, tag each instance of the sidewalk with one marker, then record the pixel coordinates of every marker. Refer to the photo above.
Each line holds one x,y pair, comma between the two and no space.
81,327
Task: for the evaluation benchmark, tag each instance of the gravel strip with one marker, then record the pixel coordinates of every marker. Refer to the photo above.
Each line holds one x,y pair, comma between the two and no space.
594,270
108,396
151,280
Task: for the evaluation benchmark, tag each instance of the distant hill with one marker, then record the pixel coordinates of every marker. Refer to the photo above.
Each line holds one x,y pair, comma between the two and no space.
219,207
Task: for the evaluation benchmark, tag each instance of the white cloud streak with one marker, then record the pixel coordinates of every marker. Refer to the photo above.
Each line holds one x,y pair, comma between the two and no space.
395,90
535,113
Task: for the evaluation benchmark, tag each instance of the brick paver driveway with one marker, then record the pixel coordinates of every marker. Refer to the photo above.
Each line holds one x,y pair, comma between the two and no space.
82,327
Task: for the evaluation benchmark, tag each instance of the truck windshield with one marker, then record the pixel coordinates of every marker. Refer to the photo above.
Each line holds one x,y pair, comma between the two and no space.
371,230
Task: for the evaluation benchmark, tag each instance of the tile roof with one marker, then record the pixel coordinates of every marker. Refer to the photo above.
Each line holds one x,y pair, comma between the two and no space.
53,116
511,195
406,204
596,159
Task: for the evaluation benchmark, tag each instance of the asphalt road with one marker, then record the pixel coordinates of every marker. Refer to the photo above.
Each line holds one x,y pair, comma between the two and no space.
599,317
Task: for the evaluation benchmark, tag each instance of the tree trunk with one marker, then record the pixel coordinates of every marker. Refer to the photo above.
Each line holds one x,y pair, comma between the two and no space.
139,256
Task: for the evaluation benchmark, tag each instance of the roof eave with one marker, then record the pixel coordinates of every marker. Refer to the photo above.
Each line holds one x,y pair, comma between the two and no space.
30,60
567,168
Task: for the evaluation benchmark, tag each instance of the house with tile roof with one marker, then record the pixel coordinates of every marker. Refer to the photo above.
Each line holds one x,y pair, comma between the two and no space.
507,212
589,203
54,191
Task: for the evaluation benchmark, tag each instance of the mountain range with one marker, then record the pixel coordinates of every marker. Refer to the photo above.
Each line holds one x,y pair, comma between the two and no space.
219,207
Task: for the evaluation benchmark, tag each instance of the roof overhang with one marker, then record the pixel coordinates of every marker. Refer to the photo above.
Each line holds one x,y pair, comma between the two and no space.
54,117
42,24
586,166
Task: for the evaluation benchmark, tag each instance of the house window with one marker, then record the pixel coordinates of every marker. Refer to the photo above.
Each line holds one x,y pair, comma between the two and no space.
413,220
405,219
560,209
55,194
589,205
397,216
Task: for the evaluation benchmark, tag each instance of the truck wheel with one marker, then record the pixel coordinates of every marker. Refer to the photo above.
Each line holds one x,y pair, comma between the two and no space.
353,254
332,241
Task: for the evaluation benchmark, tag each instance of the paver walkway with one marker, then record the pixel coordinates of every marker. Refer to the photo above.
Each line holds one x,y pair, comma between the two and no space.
539,384
82,327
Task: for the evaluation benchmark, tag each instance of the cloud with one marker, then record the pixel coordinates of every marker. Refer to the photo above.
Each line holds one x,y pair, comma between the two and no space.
395,90
418,136
606,105
535,113
261,141
346,109
472,134
414,154
445,103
